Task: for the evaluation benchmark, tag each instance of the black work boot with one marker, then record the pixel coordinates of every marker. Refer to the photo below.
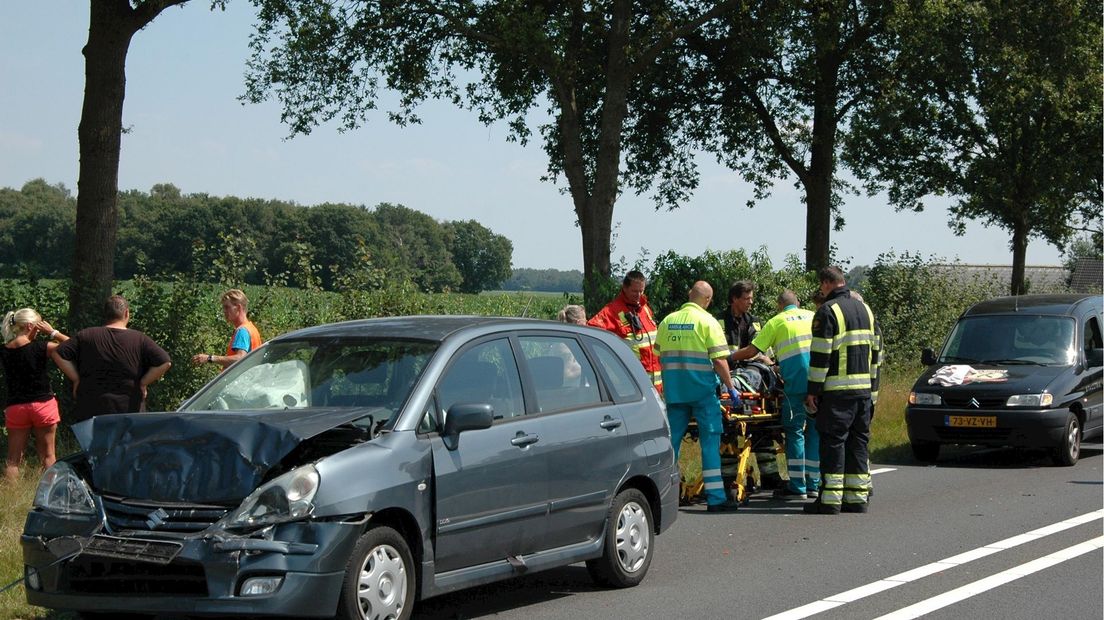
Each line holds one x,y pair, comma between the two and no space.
861,508
728,506
817,508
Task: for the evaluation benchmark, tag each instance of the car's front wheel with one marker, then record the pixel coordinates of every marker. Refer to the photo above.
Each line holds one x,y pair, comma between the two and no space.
1067,452
925,451
628,545
380,578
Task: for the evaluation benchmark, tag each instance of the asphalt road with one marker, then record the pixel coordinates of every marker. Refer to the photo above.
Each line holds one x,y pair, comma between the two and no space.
984,533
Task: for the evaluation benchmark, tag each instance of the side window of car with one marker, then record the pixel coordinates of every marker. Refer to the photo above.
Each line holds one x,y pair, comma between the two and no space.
1092,335
621,381
486,373
562,376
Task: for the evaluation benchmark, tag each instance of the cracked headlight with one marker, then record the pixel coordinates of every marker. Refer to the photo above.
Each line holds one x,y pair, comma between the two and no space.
61,490
287,498
1030,400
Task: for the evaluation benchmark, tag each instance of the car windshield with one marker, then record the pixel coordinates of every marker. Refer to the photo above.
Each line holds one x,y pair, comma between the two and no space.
1005,339
300,374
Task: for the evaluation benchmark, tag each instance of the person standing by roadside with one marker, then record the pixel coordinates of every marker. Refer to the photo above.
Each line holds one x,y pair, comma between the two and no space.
692,353
572,314
631,318
31,403
789,334
111,366
842,376
246,337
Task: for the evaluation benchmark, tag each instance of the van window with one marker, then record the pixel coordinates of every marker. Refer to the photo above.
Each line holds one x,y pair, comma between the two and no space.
1011,339
1092,335
621,382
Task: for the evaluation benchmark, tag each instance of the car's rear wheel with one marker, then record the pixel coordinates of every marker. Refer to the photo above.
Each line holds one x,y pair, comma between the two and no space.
380,578
628,545
925,451
1067,452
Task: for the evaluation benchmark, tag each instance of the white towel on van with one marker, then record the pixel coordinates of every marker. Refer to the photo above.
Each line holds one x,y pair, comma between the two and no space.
955,374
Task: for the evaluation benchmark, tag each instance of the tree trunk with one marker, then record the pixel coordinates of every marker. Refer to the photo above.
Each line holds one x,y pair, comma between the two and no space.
100,133
1019,258
112,24
822,155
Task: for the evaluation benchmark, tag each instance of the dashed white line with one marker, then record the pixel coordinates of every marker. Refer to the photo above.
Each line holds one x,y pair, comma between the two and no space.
882,585
984,585
882,470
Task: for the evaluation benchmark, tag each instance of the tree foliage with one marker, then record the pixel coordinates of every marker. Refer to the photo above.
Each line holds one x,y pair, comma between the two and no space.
600,69
233,240
481,256
776,86
998,104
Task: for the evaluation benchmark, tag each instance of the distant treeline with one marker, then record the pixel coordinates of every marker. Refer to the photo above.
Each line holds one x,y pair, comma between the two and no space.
230,239
551,280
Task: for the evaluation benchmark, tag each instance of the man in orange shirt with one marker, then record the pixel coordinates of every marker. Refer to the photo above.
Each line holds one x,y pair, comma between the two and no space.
630,317
235,307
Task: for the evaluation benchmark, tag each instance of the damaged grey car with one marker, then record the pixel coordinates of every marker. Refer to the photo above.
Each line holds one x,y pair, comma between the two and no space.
350,470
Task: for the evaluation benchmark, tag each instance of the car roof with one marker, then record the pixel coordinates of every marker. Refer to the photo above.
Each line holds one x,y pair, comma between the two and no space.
422,327
1034,304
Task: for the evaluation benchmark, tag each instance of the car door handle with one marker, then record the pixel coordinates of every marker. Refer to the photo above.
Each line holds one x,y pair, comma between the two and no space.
522,440
609,423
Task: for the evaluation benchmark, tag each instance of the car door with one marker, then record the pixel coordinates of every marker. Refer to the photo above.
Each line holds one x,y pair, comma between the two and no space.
1091,380
584,436
491,493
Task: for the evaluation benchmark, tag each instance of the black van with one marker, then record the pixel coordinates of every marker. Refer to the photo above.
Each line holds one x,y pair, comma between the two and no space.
1022,371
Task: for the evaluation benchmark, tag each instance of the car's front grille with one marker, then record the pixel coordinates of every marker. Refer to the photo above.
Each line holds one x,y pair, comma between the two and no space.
93,575
967,402
968,435
132,515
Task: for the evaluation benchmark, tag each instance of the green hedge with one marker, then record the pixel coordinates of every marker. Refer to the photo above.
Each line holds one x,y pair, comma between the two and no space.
184,317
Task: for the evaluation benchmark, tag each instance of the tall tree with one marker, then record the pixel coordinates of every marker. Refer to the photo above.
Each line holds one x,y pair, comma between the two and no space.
999,104
778,85
112,24
483,257
593,64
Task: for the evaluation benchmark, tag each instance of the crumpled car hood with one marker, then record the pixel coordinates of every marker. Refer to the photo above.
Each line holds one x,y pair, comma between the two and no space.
209,457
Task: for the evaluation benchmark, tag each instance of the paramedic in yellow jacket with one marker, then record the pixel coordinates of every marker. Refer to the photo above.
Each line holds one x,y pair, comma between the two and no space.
790,334
692,353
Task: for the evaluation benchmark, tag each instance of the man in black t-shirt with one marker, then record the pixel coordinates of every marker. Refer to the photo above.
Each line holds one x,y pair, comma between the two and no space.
111,366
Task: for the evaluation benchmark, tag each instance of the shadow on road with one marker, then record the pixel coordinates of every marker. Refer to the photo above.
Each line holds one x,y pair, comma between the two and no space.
507,595
968,457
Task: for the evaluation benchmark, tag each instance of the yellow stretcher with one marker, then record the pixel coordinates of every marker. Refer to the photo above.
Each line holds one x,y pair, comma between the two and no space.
751,427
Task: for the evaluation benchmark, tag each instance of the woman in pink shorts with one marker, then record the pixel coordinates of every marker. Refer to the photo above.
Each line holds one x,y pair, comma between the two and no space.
31,404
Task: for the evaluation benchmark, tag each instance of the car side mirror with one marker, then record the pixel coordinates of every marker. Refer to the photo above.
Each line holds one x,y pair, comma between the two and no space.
927,357
465,417
1094,358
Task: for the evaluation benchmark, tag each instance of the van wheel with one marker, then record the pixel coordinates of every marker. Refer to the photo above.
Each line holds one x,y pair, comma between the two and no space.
628,545
925,451
1069,450
380,578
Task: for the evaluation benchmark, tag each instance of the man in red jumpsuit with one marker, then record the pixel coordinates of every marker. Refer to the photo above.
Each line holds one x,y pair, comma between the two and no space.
630,317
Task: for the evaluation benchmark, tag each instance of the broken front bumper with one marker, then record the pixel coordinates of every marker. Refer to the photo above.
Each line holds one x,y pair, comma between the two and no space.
201,573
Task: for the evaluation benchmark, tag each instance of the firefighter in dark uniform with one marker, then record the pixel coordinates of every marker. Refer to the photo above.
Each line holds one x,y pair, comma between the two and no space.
843,367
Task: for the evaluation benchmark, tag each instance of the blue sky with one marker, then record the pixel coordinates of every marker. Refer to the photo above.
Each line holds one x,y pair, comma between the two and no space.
187,127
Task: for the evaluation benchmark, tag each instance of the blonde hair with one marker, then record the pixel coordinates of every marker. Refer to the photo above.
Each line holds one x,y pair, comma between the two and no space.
236,297
17,322
572,314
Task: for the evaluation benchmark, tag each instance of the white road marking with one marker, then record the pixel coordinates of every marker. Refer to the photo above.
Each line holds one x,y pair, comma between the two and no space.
984,585
869,589
883,470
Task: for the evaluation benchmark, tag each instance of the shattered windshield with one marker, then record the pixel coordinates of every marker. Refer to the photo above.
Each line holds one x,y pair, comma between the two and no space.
1006,339
301,374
